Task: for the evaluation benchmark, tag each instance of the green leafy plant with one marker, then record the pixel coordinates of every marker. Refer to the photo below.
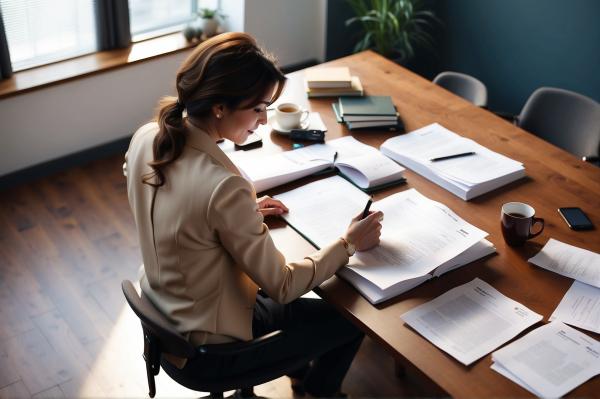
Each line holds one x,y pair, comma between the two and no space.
210,13
393,28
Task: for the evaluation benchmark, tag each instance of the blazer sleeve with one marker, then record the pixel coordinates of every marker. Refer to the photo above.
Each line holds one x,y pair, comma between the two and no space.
233,215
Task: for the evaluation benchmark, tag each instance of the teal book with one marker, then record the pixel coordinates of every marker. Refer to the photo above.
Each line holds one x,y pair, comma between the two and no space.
336,111
380,106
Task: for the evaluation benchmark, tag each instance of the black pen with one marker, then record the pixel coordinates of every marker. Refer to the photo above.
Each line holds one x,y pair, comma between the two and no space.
366,211
462,154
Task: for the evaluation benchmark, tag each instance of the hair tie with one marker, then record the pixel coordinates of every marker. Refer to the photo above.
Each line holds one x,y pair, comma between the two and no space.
179,106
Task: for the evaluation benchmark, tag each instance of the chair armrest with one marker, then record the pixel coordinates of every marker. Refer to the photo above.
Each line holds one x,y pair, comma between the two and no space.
240,346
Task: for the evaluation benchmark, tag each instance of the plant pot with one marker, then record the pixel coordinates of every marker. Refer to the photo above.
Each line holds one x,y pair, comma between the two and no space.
209,27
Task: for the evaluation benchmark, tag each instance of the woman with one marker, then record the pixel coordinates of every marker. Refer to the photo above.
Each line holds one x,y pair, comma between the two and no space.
205,247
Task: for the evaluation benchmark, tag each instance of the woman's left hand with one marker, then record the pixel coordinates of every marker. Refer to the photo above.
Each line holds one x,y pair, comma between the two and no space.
269,206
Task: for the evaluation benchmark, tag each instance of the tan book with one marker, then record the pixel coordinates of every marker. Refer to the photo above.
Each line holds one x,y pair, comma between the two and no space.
355,89
328,77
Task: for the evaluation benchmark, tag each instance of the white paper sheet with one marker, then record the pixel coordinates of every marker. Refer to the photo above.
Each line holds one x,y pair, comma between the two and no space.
550,361
418,234
568,260
471,320
580,307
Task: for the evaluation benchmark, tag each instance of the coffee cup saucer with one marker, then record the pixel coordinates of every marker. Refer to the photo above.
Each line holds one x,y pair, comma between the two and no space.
272,120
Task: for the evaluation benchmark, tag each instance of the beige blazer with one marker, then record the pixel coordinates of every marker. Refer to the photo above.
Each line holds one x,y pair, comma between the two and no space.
205,247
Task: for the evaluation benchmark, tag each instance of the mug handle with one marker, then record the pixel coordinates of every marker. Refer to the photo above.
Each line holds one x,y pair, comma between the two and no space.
535,220
304,116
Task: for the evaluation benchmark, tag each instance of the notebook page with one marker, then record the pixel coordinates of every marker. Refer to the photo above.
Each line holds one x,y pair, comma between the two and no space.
363,164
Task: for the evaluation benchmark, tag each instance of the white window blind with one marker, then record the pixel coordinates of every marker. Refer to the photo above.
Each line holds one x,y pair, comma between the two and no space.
44,31
154,17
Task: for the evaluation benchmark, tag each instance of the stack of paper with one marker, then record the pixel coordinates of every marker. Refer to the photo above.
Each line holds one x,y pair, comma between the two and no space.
420,238
550,361
367,112
360,163
470,321
332,82
468,176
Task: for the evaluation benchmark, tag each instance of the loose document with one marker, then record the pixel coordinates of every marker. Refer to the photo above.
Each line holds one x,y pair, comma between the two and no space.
580,307
466,177
362,164
420,238
471,320
550,361
570,261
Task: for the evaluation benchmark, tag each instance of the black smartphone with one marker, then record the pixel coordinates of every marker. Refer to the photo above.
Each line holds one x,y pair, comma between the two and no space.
253,141
576,219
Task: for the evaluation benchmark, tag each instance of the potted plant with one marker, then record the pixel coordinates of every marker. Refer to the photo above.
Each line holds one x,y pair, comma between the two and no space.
210,22
393,28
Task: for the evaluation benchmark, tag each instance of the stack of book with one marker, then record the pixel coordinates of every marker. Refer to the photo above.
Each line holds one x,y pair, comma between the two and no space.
332,82
367,112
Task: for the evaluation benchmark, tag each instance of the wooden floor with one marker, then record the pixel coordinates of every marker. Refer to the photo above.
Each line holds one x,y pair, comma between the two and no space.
66,242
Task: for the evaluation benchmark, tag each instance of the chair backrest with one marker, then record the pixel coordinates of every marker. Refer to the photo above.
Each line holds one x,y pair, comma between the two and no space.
463,85
160,337
567,119
157,324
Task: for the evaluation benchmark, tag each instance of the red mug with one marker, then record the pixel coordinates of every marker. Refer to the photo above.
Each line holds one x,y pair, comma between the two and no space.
517,219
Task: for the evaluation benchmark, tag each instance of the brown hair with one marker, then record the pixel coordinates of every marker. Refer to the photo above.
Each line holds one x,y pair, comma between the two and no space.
229,69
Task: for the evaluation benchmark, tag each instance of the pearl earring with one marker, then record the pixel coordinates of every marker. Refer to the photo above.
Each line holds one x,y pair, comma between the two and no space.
219,116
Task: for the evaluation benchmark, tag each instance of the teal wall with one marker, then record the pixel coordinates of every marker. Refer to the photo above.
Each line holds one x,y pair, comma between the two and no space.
516,46
513,46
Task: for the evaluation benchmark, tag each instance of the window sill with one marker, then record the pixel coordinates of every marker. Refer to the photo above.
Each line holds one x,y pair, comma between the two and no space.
64,71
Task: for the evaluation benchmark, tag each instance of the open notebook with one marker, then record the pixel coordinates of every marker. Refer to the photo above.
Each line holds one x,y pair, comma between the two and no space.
420,239
360,163
467,177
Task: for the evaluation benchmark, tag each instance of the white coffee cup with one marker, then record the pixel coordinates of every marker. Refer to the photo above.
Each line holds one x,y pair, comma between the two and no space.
290,115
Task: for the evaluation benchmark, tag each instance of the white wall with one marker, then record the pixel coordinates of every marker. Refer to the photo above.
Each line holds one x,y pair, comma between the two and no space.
53,122
294,30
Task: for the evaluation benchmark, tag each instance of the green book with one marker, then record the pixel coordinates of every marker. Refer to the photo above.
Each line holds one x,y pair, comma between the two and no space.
367,105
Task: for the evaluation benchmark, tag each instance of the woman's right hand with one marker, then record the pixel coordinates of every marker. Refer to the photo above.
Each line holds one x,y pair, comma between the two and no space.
364,234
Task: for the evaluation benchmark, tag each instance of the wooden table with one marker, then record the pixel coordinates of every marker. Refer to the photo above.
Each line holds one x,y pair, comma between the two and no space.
554,179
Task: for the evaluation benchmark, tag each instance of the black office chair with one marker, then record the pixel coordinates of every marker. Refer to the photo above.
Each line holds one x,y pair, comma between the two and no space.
564,118
463,85
160,337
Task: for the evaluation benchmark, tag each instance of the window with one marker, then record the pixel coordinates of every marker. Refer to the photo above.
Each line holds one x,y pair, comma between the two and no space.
150,18
43,31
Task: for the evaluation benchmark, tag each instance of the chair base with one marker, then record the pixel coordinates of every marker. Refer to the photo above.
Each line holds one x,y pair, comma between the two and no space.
239,393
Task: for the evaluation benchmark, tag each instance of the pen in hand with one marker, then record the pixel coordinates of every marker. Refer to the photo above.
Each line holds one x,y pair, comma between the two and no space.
462,154
366,211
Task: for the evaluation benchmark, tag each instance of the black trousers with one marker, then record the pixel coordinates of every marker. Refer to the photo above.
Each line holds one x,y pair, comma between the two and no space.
312,327
314,333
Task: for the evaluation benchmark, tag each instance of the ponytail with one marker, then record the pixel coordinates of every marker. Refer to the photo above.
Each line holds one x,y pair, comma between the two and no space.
168,143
